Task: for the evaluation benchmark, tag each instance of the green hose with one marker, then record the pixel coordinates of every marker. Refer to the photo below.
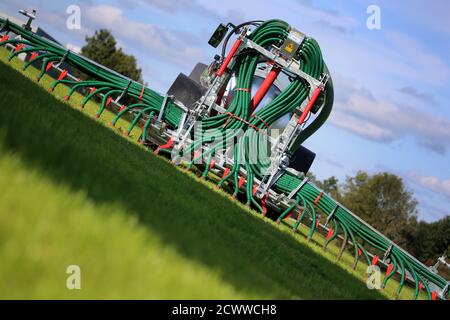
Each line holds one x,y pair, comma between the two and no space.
148,103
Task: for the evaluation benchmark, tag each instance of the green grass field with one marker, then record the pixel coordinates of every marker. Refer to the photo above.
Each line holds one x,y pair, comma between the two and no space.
74,191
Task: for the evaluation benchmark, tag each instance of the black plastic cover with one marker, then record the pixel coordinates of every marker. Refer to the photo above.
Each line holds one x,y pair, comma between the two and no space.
302,159
186,90
218,35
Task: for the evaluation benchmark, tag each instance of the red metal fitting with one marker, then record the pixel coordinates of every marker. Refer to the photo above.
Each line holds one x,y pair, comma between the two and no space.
34,55
230,55
329,234
142,93
310,105
265,86
374,260
108,101
225,173
168,145
241,182
19,47
62,75
48,67
318,199
389,269
4,38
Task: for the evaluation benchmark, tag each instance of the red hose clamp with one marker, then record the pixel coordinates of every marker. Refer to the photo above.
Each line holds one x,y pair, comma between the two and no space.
241,182
142,93
289,214
168,145
389,269
62,75
374,260
19,47
49,66
329,234
197,154
34,55
108,101
4,38
262,120
434,295
225,173
263,204
212,164
299,214
359,252
318,198
421,286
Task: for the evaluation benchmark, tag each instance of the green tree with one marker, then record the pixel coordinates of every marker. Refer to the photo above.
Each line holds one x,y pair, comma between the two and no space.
102,48
383,201
329,186
430,240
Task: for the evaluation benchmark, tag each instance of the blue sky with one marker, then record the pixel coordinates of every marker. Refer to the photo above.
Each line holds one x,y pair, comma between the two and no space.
392,85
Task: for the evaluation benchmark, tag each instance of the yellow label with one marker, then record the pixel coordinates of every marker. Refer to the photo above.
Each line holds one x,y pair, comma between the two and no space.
289,47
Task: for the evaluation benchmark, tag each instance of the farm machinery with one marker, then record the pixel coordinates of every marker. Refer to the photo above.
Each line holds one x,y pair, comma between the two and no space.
239,122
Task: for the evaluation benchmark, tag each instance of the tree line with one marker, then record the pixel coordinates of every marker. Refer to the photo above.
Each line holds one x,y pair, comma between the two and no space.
384,201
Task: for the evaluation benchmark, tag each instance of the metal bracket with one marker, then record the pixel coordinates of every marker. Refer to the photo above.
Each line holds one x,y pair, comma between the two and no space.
64,57
314,83
388,252
331,214
163,107
297,189
4,24
125,90
181,124
445,290
263,188
30,16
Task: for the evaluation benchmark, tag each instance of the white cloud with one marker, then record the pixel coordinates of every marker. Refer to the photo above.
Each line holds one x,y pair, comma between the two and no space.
419,58
331,18
176,6
361,127
160,41
434,17
382,119
416,94
432,182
